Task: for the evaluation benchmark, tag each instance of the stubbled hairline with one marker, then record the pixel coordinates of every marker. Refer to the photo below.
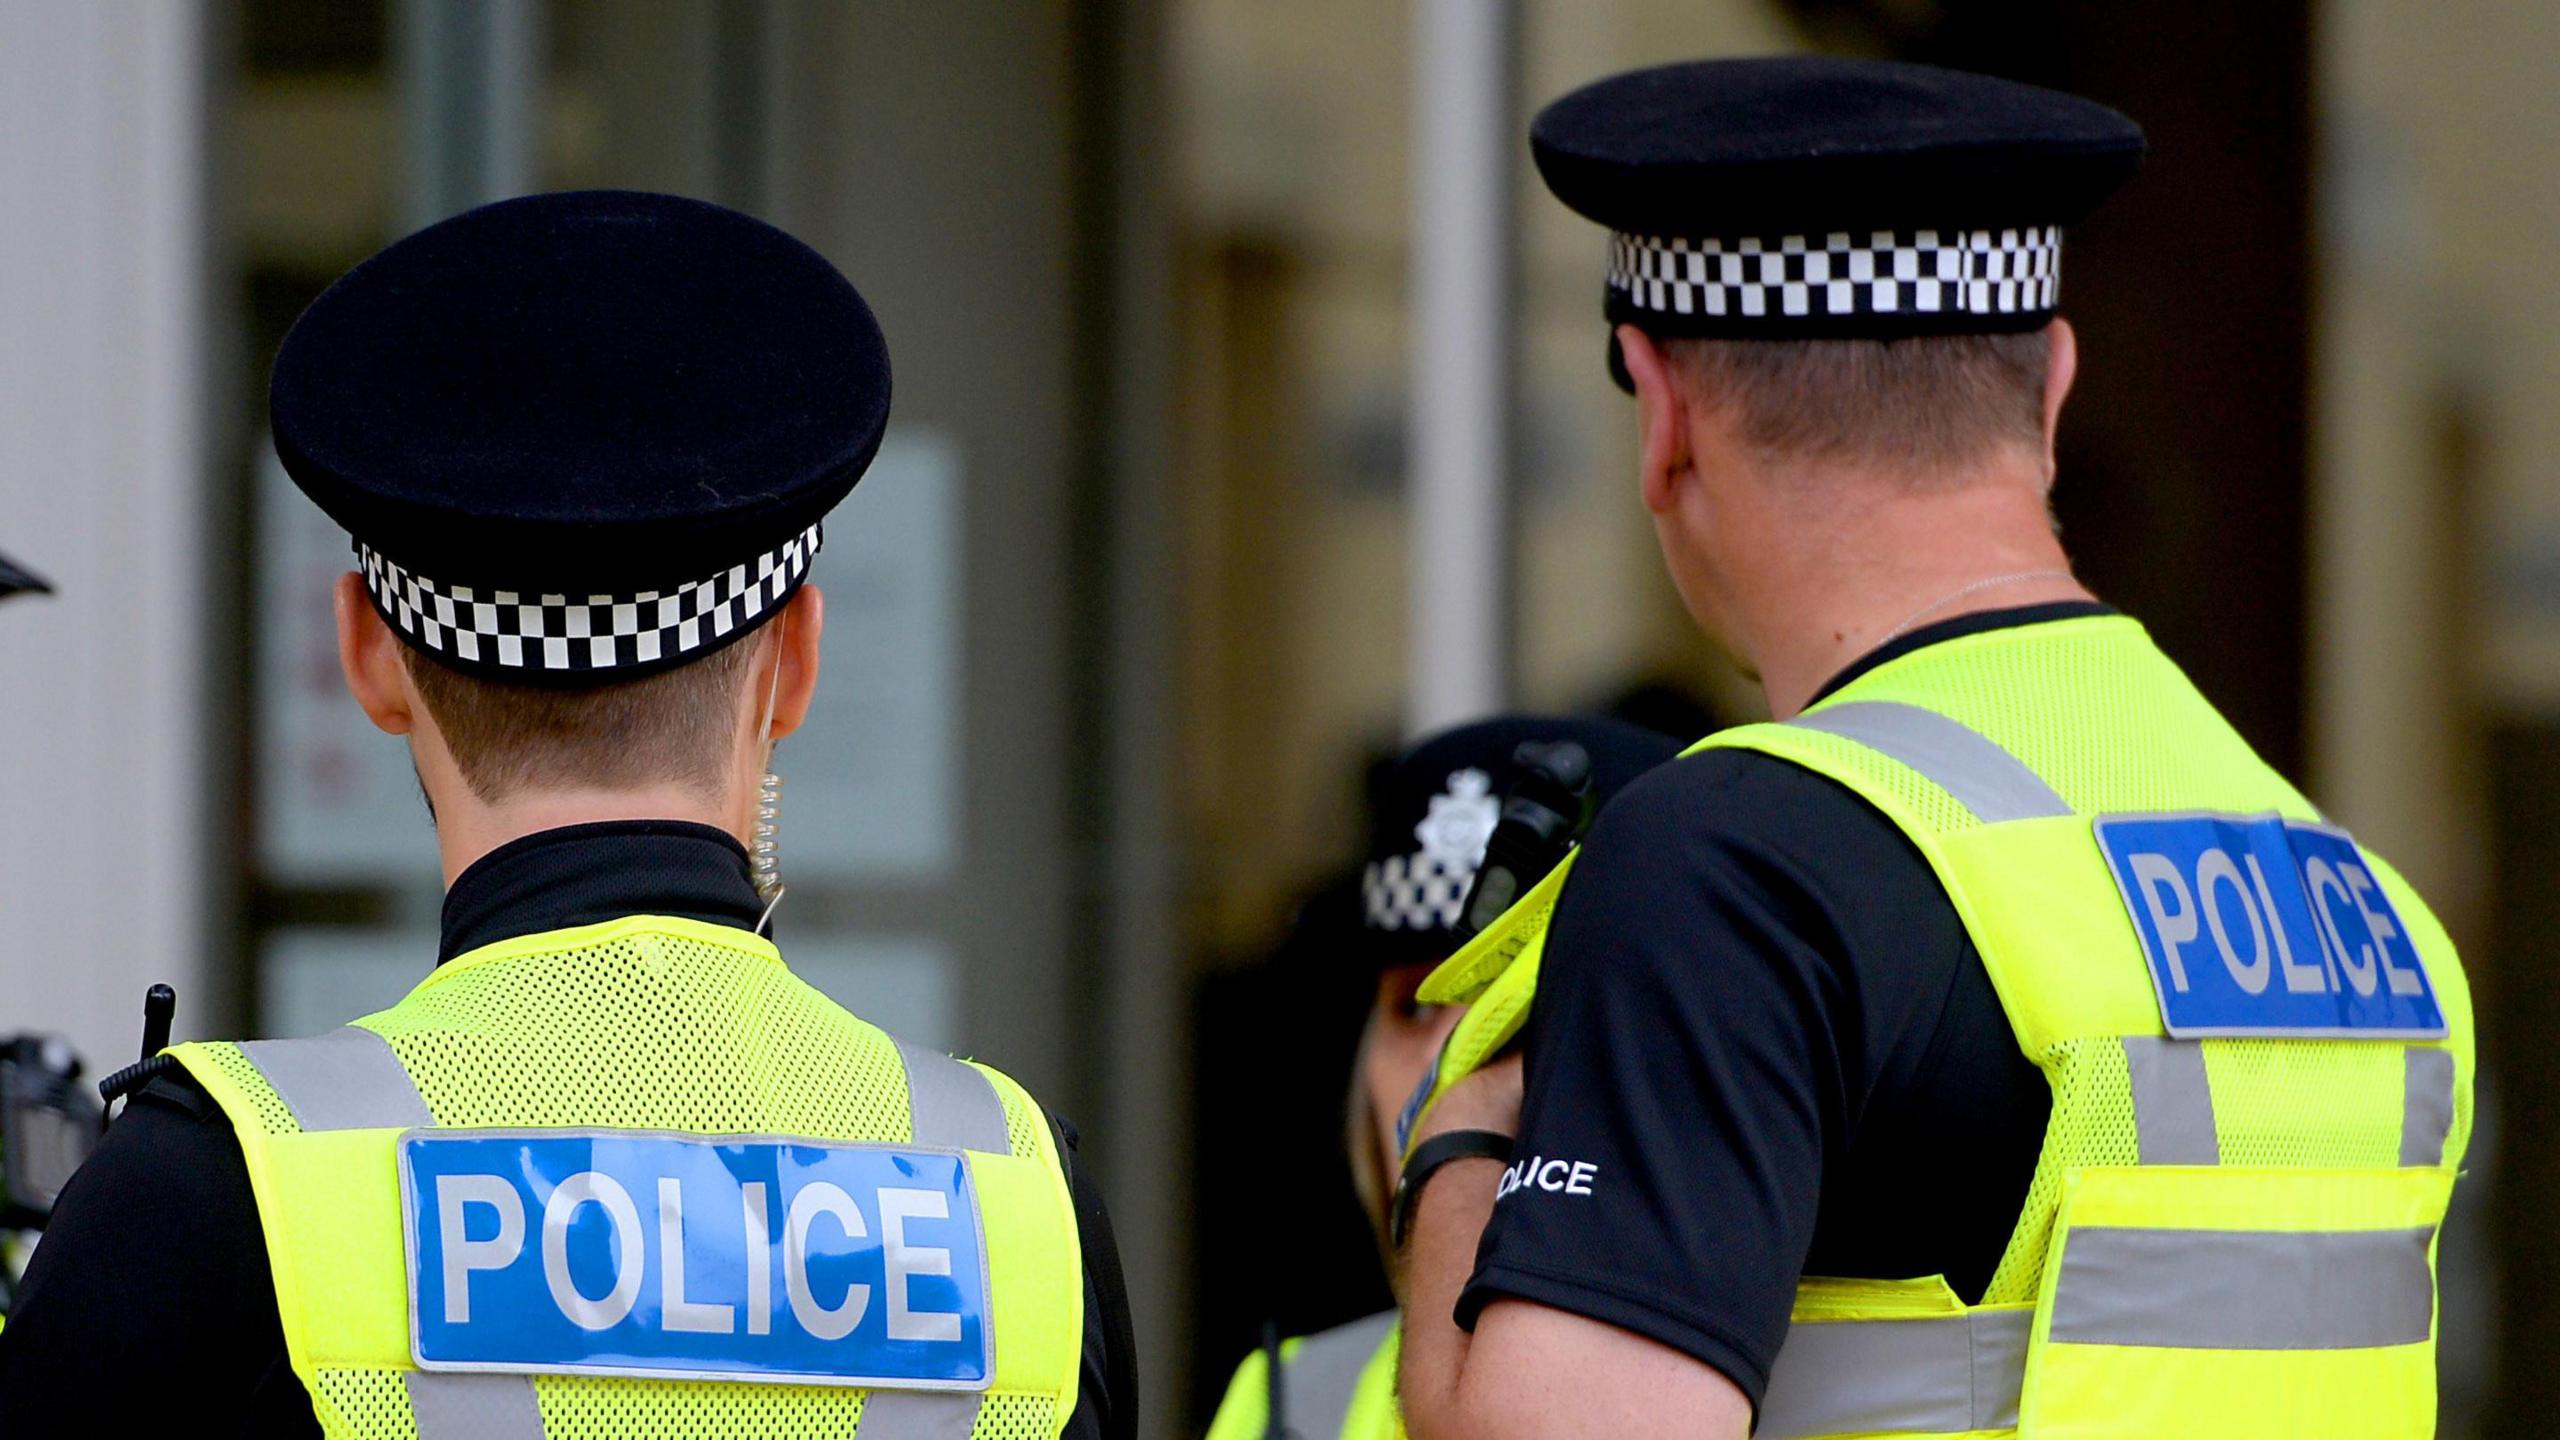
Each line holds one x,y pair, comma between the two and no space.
677,725
1926,403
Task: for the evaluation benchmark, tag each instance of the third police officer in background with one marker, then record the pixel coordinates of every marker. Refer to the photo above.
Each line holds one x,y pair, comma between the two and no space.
1431,811
1993,1043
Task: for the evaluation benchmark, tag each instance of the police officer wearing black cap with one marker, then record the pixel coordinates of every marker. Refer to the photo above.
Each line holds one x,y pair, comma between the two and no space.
1432,811
610,1169
1991,1040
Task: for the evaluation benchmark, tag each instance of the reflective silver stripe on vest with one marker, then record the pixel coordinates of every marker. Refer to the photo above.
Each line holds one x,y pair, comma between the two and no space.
452,1406
914,1415
347,1079
1921,1377
2426,1116
2245,1289
951,1103
1318,1381
1985,779
2172,1103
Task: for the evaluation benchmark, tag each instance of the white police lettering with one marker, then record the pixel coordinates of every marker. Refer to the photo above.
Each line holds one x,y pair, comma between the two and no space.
2177,923
820,1321
1556,1177
592,1187
903,1260
456,1195
2217,868
2250,903
759,1258
692,1316
2377,921
537,1251
2299,979
2324,885
462,1255
2277,901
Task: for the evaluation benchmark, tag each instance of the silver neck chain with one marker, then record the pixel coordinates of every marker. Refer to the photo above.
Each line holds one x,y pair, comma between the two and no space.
1978,586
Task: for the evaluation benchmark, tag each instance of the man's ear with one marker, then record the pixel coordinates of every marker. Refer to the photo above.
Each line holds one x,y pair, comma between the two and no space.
801,623
2061,366
1662,417
369,654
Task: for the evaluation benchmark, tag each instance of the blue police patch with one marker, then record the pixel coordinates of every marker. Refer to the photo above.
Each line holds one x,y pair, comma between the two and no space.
625,1252
2258,925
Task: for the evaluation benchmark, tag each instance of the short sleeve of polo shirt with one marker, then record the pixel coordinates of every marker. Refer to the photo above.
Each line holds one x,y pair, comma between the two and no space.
1757,1014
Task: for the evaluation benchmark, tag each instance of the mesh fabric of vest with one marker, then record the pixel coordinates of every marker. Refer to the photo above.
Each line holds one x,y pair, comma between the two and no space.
650,1030
2112,724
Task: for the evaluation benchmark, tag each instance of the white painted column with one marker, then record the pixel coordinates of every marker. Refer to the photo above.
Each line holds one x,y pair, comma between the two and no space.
104,490
1466,141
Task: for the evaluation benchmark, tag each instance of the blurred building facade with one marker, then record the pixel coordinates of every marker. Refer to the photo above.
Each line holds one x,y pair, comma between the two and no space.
1126,607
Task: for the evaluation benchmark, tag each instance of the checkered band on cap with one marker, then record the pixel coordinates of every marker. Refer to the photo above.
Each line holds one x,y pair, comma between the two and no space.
560,636
1421,891
1904,274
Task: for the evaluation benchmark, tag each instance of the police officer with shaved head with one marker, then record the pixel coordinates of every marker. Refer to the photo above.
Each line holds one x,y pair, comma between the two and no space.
1990,1043
610,1169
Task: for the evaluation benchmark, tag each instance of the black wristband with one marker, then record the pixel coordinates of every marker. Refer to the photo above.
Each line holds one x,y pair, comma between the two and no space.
1429,1156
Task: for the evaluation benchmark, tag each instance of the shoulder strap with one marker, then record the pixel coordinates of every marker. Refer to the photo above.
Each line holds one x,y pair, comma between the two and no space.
1984,778
952,1102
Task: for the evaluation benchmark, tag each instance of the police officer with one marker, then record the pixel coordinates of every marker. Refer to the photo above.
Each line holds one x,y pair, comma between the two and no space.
1431,811
1991,1043
610,1169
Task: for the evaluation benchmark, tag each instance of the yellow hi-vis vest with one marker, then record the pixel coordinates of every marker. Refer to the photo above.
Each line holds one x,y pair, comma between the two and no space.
2225,1238
657,1026
1339,1384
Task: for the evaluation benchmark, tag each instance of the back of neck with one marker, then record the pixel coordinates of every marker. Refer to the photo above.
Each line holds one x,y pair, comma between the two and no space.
1904,562
469,828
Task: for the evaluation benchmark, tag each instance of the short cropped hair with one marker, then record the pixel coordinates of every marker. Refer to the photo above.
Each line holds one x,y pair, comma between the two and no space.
1926,406
678,725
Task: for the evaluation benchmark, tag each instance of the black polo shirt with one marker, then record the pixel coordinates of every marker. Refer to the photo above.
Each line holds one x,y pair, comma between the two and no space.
1761,1026
149,1309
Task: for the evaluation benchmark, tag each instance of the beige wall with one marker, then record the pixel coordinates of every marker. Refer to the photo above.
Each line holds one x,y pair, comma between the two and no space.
2435,557
1293,201
2436,432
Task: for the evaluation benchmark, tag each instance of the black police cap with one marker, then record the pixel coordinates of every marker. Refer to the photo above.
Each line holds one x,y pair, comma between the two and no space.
1432,808
582,437
1808,197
